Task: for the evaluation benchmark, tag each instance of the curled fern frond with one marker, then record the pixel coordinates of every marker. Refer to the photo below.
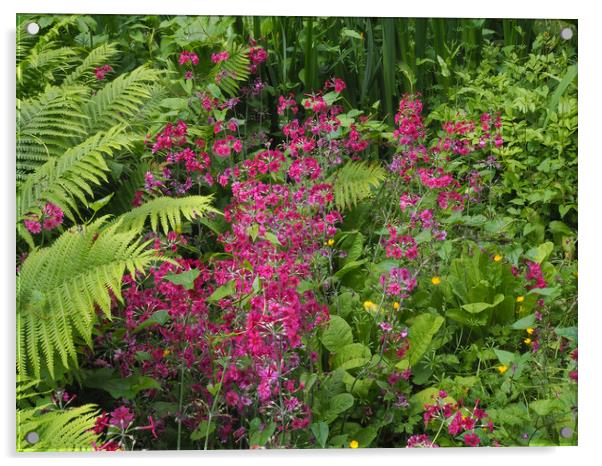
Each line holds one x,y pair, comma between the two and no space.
354,182
59,289
167,212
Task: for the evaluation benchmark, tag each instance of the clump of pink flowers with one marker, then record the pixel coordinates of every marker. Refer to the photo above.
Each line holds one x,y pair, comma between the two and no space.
51,218
188,57
220,56
101,71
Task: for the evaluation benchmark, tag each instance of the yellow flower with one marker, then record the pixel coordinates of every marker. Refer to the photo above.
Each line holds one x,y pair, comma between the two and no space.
503,368
527,341
497,258
520,299
330,242
436,280
530,331
369,305
395,305
354,444
166,352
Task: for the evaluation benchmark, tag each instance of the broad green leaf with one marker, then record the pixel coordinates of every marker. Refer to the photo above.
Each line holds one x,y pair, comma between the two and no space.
422,331
272,238
203,429
475,308
99,204
545,407
505,357
567,332
117,386
540,253
157,318
320,431
185,279
214,90
223,291
524,323
352,356
340,403
337,334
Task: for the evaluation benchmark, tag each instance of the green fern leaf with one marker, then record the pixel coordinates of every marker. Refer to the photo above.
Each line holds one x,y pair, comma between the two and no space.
354,182
47,125
120,99
167,212
68,179
101,55
233,70
60,287
60,430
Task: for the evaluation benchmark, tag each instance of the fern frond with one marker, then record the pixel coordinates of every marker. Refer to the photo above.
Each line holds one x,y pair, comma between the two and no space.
167,212
130,181
354,182
60,287
68,179
96,57
47,124
120,99
235,69
61,430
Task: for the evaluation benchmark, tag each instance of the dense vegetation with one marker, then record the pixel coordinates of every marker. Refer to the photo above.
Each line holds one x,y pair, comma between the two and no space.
245,232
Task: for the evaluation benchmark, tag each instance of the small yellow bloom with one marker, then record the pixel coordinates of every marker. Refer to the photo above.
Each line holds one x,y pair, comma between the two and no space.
503,368
330,242
530,331
520,299
166,352
527,341
497,258
354,444
395,305
436,280
369,305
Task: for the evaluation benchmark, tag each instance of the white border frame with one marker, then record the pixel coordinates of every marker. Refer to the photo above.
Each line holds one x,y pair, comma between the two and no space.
590,169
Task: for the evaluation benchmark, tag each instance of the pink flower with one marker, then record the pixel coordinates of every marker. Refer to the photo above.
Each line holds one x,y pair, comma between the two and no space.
472,440
121,417
420,441
188,57
53,216
101,71
33,226
219,57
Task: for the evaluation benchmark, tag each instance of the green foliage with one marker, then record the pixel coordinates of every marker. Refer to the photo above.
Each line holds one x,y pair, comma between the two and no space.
120,99
354,182
46,125
60,287
167,212
69,179
56,430
480,291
